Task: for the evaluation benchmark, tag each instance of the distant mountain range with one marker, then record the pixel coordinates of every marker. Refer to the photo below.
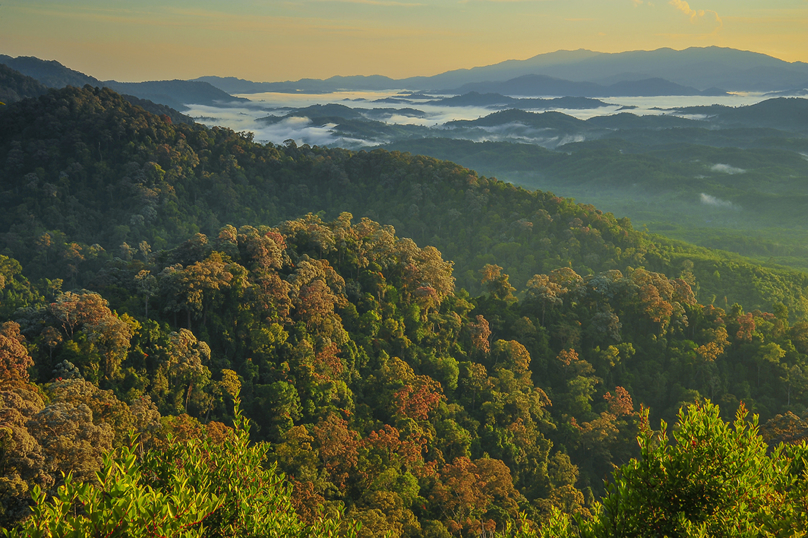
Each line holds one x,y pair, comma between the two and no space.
557,124
234,85
172,93
474,98
786,114
697,69
544,85
780,113
525,85
15,86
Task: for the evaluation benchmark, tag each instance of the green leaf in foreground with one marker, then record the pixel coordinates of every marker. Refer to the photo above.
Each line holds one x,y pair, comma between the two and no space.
186,489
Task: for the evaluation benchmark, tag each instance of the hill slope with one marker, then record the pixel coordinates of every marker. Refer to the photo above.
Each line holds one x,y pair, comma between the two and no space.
50,73
178,180
171,93
384,389
175,93
14,86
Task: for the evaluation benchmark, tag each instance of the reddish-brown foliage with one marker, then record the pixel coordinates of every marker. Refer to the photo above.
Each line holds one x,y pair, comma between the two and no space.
480,334
338,448
418,401
327,365
747,327
620,403
14,358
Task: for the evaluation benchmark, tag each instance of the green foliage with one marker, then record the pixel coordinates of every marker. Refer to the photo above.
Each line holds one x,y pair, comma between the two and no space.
120,506
193,488
164,182
414,407
348,343
715,479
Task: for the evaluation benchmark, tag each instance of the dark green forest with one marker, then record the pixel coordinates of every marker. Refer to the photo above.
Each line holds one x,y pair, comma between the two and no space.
734,180
206,336
15,86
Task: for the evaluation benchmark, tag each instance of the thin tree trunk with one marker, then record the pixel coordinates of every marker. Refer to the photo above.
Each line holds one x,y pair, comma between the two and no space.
188,395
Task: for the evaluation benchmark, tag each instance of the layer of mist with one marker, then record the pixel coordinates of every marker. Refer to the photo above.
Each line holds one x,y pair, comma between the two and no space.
436,110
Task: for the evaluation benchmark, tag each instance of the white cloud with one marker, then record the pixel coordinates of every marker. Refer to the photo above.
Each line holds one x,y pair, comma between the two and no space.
694,14
301,130
706,199
726,169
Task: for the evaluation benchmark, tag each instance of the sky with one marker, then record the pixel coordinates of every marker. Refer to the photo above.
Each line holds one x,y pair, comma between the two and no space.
276,40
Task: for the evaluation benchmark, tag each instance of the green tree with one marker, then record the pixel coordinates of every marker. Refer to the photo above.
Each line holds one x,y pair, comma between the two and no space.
715,480
189,488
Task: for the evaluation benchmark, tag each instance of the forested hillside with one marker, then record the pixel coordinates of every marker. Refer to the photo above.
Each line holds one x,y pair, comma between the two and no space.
15,86
154,275
93,169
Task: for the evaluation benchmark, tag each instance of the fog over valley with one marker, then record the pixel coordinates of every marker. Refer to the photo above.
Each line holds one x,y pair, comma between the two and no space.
435,115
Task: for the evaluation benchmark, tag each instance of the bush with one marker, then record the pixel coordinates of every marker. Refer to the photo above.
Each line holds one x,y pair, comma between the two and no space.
197,488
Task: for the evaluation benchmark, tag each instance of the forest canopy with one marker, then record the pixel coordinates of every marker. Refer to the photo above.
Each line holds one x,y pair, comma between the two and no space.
462,356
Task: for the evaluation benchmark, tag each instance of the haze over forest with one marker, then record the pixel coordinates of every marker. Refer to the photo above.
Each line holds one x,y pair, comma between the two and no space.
565,295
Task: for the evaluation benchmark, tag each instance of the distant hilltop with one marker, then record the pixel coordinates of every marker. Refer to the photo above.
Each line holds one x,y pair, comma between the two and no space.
171,93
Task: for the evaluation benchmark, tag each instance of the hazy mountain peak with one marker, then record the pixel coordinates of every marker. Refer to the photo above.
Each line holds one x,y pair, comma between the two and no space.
697,68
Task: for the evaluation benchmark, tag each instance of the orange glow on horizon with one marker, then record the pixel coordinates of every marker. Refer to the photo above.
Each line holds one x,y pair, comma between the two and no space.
276,41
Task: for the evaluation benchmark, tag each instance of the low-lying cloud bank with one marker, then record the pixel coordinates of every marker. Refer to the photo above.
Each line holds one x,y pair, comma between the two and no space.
726,169
706,199
299,129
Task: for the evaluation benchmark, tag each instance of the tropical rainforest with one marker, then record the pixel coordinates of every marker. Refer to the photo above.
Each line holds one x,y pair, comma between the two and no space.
206,336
